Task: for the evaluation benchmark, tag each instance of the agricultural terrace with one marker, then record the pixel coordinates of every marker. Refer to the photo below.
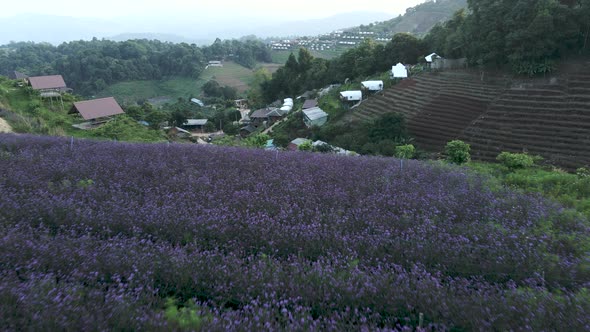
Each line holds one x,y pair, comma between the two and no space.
105,235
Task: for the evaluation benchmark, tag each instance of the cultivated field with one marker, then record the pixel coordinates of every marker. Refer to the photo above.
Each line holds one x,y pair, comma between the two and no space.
120,236
548,117
231,74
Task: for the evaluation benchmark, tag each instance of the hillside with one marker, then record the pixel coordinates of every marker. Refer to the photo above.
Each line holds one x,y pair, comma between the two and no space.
549,117
231,74
182,237
417,20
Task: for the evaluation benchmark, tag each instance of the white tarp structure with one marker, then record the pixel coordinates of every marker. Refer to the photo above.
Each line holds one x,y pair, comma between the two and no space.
429,58
399,71
355,95
198,102
373,85
287,105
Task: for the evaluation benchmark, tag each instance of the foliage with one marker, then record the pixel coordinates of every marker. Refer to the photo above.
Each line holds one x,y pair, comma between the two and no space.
571,190
305,146
296,242
185,317
457,152
405,151
516,160
257,141
123,128
388,126
522,34
90,66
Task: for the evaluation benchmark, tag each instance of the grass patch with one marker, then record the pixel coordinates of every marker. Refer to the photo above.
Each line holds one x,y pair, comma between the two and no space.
570,190
231,74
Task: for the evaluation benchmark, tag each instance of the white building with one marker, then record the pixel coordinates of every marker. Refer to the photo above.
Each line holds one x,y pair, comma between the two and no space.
372,85
355,95
399,71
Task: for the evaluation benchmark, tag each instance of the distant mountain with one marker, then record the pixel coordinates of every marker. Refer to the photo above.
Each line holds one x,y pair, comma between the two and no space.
53,29
165,37
320,26
417,20
199,30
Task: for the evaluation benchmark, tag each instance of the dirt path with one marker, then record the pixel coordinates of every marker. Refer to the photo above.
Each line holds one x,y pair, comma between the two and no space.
4,126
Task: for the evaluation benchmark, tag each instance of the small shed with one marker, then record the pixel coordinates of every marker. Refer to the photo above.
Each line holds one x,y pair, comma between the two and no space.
399,71
310,103
268,115
372,86
314,117
247,130
294,145
198,102
16,75
195,124
431,57
355,95
97,108
215,63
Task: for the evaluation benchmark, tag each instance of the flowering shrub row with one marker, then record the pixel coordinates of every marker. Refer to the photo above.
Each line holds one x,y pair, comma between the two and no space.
102,235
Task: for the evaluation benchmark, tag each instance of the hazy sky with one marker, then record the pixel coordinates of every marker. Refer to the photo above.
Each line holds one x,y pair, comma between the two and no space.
294,10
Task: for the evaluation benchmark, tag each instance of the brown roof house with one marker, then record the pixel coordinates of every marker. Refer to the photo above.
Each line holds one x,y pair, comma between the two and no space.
97,108
48,86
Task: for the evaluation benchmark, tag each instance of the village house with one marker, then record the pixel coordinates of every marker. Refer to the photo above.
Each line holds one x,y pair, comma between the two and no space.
98,110
310,103
266,116
314,116
48,86
294,144
195,125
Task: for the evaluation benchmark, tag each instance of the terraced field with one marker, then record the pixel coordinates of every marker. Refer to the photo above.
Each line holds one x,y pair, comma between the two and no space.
549,117
437,106
551,120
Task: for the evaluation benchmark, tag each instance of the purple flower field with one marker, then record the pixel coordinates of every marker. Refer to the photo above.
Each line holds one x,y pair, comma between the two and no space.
117,236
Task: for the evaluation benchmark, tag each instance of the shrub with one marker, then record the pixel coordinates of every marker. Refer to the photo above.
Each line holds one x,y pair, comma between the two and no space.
405,151
458,152
516,160
306,146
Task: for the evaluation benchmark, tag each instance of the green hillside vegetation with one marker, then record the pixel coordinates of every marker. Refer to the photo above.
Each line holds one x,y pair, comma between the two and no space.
417,20
91,66
231,74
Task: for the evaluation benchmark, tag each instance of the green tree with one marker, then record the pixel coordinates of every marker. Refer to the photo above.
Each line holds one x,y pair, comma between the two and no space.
458,152
405,151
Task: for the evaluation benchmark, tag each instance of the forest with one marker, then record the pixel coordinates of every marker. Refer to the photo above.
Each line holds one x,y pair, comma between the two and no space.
90,66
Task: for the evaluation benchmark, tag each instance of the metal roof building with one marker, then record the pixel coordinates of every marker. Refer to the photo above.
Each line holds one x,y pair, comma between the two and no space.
54,82
98,108
314,117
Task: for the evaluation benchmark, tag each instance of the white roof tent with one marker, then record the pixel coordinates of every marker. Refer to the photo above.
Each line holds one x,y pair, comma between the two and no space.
399,71
198,102
430,58
373,85
355,95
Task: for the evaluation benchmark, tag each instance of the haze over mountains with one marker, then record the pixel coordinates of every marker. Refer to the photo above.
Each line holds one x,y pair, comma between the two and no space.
200,30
